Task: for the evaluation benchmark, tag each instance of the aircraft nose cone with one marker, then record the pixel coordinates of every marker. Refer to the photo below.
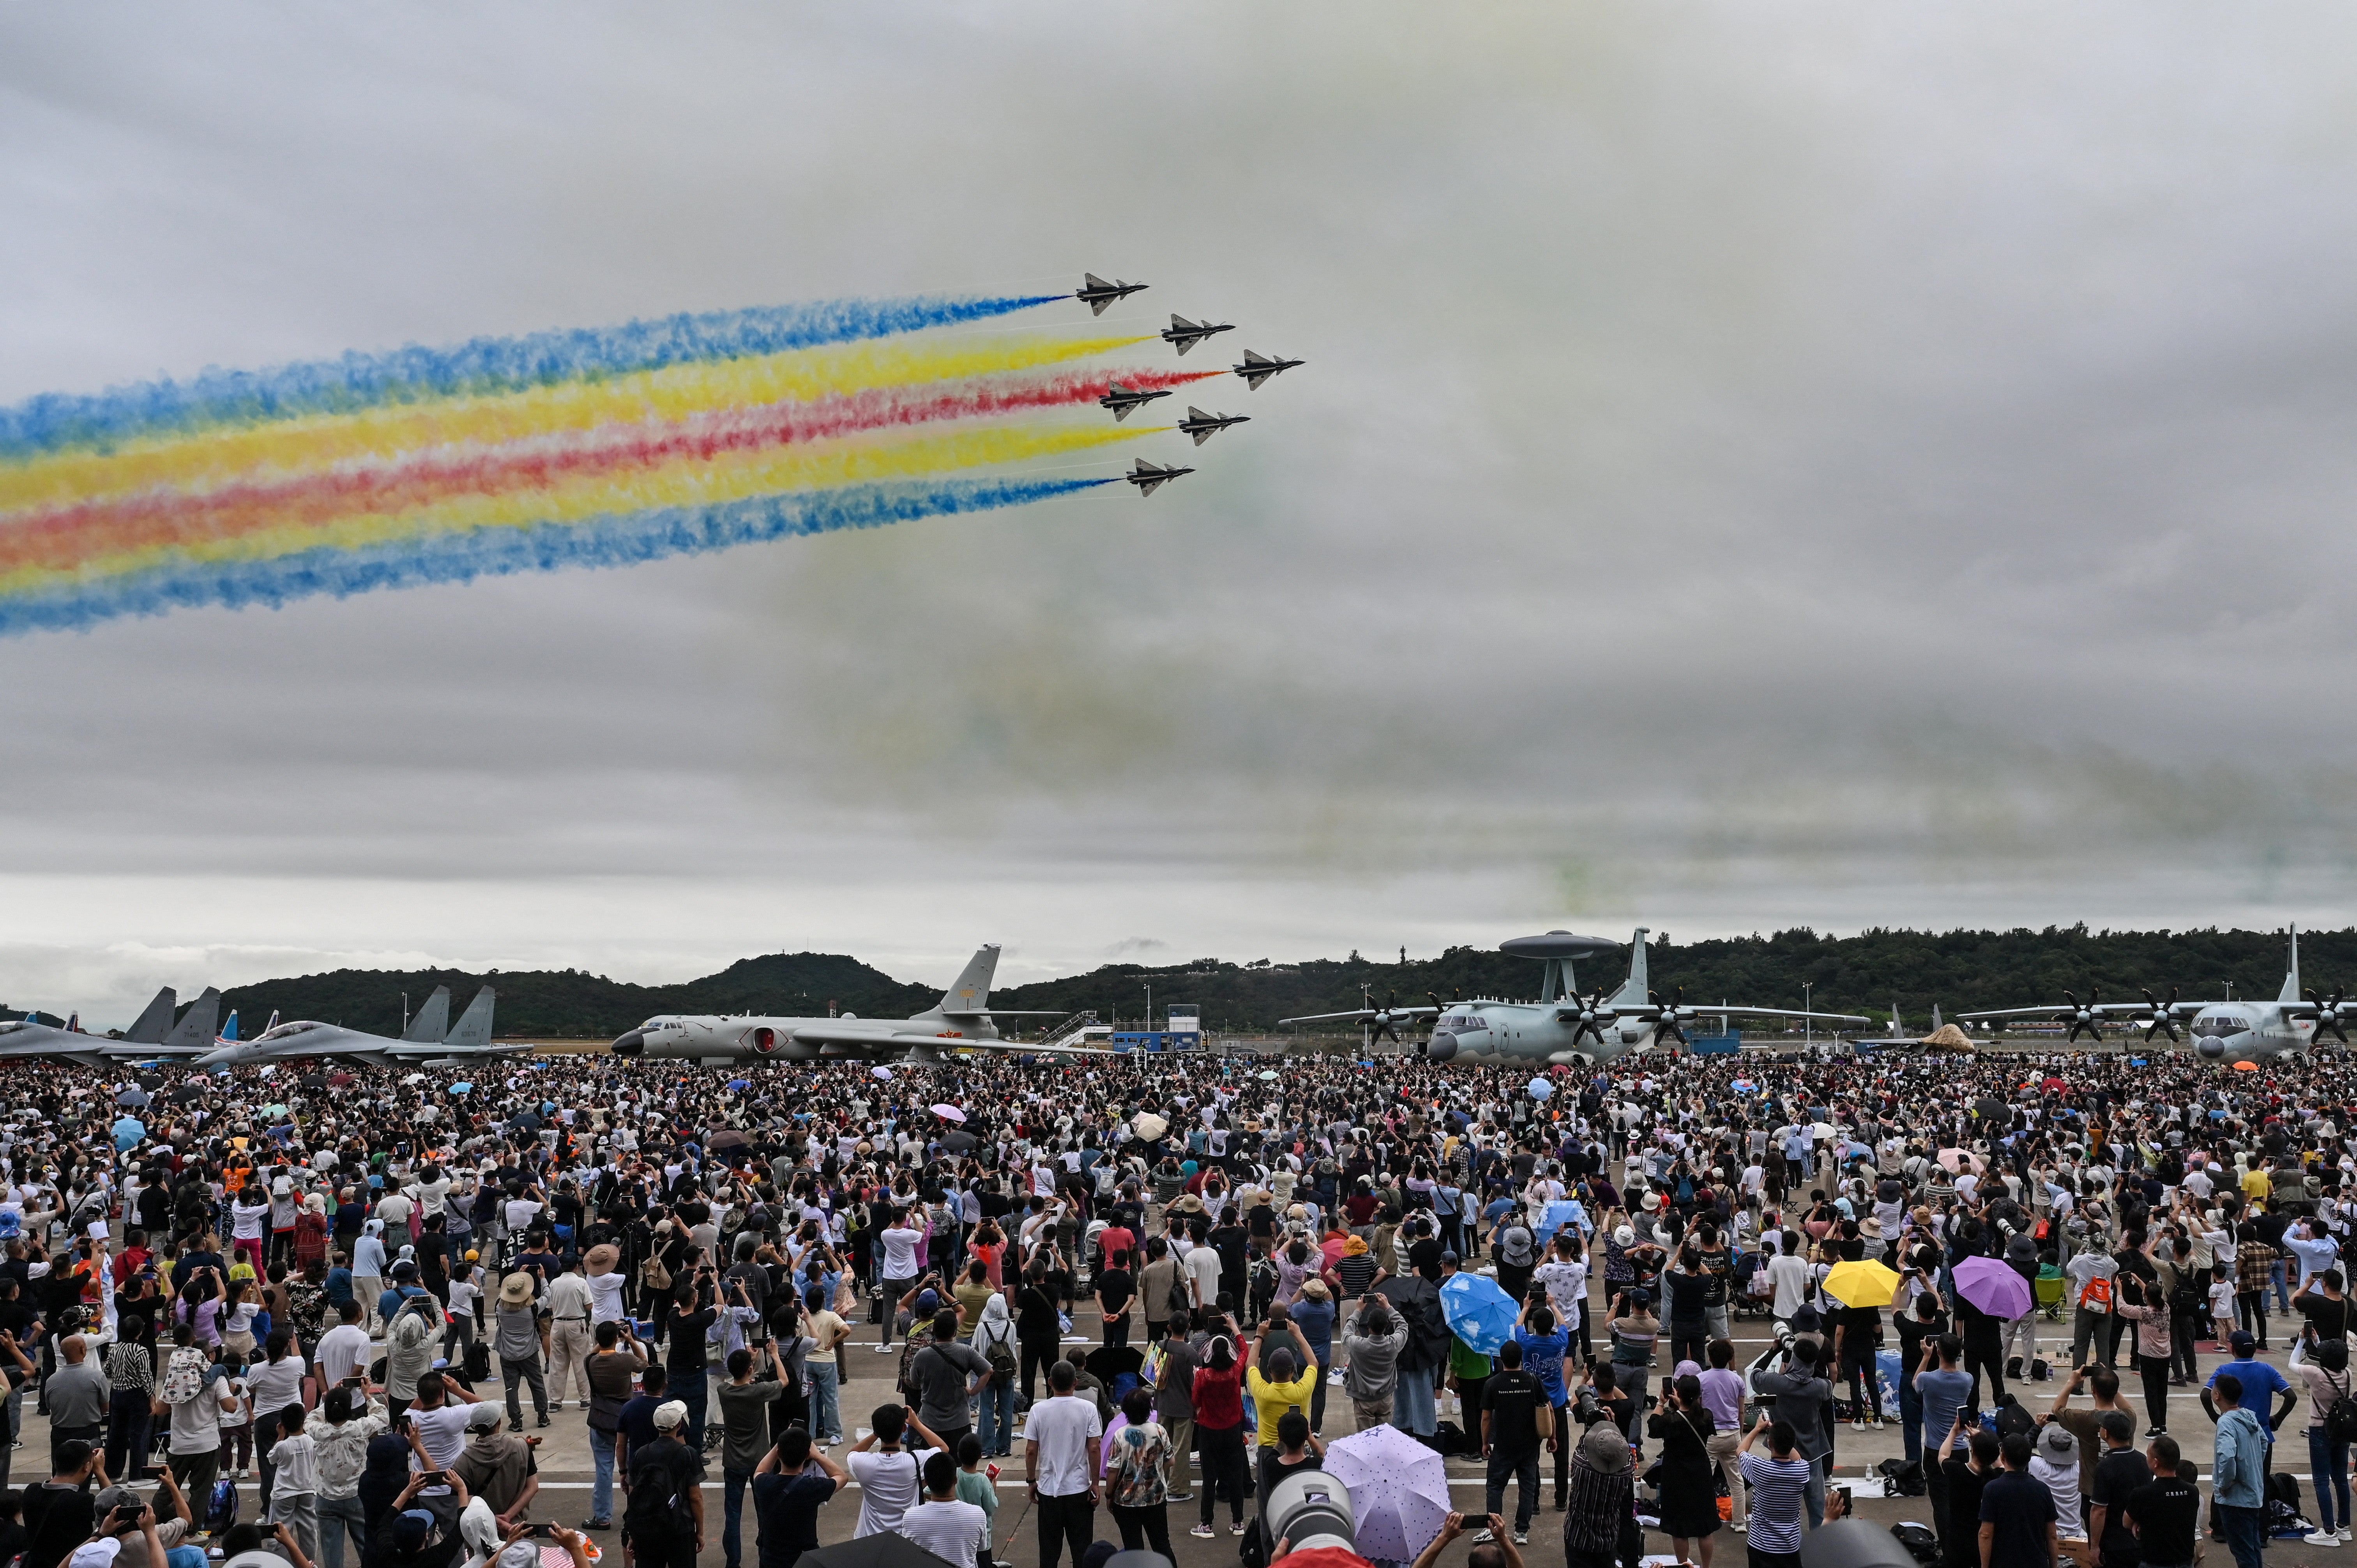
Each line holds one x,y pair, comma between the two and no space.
2212,1047
631,1044
1442,1048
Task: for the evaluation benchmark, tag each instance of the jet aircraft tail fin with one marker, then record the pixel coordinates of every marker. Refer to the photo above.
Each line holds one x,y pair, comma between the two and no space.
197,1025
970,992
2291,992
473,1029
1636,990
432,1021
155,1023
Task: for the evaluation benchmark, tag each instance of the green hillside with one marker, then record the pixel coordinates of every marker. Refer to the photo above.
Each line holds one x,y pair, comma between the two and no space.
1865,973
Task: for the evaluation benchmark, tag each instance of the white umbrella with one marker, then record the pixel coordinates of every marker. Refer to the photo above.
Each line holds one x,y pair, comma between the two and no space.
882,1072
949,1113
1149,1126
412,1078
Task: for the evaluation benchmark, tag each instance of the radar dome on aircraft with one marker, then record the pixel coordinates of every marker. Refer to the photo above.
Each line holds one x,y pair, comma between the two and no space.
1558,944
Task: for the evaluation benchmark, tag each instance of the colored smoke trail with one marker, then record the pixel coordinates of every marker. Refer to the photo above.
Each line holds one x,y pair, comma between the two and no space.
474,369
623,540
593,448
678,393
55,541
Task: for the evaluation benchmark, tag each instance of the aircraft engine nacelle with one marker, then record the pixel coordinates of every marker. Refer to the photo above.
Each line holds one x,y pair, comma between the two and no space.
2211,1047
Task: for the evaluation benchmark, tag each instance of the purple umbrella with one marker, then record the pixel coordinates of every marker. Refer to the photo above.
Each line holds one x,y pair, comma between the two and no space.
1399,1490
1991,1284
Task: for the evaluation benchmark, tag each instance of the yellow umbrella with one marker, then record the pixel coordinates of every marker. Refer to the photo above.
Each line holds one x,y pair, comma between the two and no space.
1862,1285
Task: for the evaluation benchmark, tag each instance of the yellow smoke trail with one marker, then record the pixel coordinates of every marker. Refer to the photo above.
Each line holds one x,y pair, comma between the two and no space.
677,393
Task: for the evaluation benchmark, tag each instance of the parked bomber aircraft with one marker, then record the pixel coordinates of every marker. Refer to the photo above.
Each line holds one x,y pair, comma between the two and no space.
1203,426
1096,294
963,1019
153,1033
1150,477
1551,1031
2221,1031
1256,370
1123,400
1187,334
425,1044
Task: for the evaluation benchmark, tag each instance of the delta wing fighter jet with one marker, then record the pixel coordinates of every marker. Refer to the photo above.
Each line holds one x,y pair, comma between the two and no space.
1562,1028
1096,294
1203,426
1187,334
2287,1027
1150,477
1256,369
423,1045
1123,400
963,1019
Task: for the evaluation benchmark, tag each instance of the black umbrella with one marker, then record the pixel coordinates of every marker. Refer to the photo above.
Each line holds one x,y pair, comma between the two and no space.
151,1081
960,1140
132,1097
188,1094
315,1080
1109,1361
1992,1108
885,1549
726,1138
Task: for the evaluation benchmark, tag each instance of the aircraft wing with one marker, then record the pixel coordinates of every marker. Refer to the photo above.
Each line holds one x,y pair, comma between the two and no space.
2050,1009
1032,1051
826,1035
126,1051
1364,1013
1781,1013
434,1050
55,1049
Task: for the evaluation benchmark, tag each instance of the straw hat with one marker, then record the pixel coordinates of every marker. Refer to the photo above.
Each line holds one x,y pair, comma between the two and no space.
602,1259
515,1290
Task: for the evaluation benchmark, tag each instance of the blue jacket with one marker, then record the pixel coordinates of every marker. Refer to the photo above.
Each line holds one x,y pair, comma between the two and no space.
2239,1465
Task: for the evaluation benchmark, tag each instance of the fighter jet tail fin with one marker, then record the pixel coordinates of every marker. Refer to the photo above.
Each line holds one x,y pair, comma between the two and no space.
473,1029
197,1024
433,1019
970,992
155,1023
2291,992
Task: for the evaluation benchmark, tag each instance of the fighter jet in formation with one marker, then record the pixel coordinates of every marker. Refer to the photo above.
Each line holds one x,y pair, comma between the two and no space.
1187,334
1096,294
1148,477
1124,399
1203,426
1256,370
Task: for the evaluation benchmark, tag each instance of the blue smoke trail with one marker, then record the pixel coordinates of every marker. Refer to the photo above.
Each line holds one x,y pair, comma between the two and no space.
625,540
57,421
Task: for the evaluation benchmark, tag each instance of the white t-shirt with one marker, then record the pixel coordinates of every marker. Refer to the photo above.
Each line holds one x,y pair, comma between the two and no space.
889,1489
606,1297
1204,1265
901,1252
521,1213
276,1384
343,1350
1063,1426
443,1431
196,1425
948,1530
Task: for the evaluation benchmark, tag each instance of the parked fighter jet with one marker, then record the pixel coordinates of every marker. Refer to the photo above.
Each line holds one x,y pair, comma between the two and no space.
1187,334
153,1033
425,1044
963,1019
1148,477
1096,294
1203,426
1122,400
1256,370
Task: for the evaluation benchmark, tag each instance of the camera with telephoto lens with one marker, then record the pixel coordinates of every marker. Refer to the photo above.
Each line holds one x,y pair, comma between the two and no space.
1310,1509
1586,1408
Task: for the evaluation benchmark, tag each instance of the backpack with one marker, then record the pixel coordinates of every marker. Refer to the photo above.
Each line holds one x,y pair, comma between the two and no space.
183,1377
2341,1416
220,1510
2096,1295
655,1511
2011,1417
1000,1354
653,1275
1182,1299
906,1382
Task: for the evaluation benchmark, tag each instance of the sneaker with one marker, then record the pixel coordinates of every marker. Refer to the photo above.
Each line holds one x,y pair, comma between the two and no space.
1237,1527
597,1524
2344,1533
1878,1423
1485,1537
1205,1530
542,1422
884,1349
1522,1538
2323,1538
1179,1497
2157,1432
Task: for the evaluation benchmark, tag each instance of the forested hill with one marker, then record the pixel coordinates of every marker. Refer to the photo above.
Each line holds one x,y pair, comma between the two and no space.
1863,974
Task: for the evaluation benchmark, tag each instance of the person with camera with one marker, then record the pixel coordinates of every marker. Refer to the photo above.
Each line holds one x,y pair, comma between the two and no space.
1517,1418
125,1527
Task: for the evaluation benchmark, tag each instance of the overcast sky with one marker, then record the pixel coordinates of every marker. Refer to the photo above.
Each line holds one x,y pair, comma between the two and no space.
1816,464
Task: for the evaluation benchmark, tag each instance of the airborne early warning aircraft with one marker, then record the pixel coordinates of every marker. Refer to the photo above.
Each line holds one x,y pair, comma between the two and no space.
963,1019
1096,294
1147,477
1203,426
1124,399
1257,368
424,1043
2222,1031
1561,1027
1187,334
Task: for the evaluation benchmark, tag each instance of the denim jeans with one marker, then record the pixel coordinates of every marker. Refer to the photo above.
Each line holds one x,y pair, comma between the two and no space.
826,1407
2244,1533
601,1489
1413,1409
2282,1290
691,1389
1524,1469
339,1518
2328,1466
1815,1495
1910,1419
732,1528
995,1424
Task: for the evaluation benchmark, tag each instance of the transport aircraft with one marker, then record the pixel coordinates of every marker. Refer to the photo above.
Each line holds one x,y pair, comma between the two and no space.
963,1019
2287,1027
1561,1027
425,1044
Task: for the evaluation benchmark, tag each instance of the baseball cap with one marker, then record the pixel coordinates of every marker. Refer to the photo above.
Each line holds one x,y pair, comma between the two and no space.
2242,1343
482,1417
669,1415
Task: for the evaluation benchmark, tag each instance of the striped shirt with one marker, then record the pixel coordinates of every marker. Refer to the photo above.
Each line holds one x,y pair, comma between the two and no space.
1777,1490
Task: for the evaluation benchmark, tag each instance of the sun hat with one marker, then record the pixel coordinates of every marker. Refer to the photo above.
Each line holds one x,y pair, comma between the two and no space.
516,1289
